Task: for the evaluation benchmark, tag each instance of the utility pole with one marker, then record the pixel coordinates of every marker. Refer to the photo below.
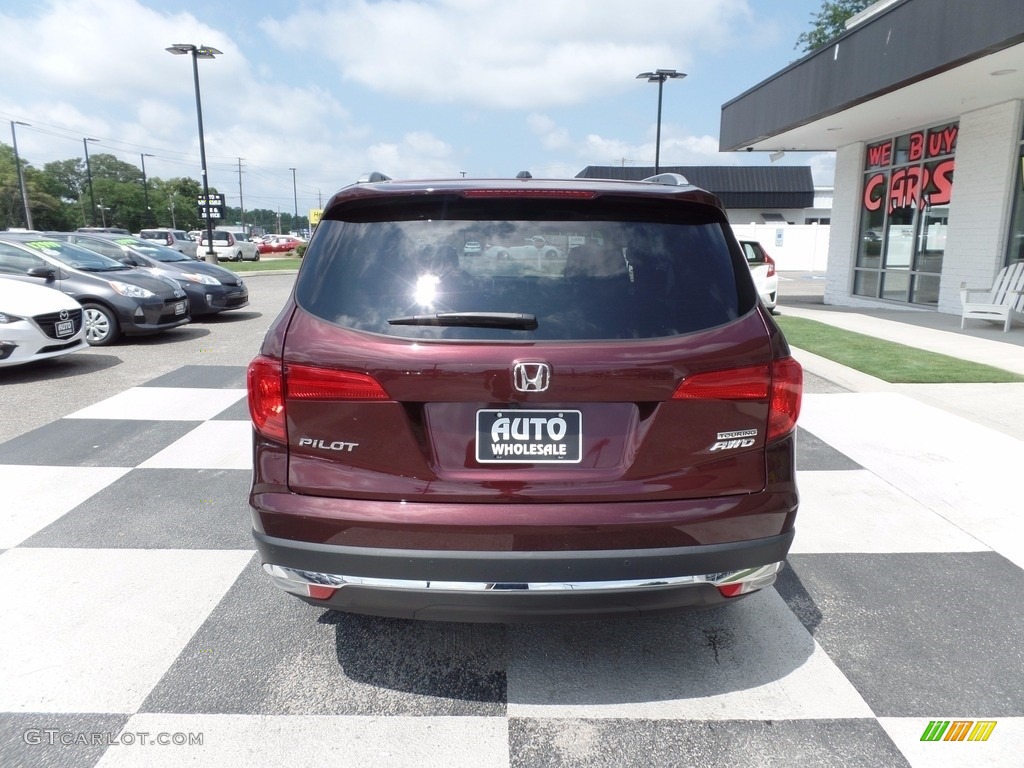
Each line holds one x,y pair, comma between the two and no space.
241,202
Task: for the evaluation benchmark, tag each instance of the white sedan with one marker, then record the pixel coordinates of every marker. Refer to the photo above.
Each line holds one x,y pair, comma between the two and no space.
762,269
37,322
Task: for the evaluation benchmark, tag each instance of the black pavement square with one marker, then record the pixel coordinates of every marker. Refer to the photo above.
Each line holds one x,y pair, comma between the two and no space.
56,740
814,454
262,652
919,635
159,509
615,743
93,442
202,377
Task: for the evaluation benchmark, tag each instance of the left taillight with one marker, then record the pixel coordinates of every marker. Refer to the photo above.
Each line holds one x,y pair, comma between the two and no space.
779,383
265,383
270,384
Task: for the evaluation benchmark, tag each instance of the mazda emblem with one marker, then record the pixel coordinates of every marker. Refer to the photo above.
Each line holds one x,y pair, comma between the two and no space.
63,314
531,377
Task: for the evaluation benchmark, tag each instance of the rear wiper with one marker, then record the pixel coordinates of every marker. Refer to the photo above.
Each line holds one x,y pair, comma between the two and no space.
514,320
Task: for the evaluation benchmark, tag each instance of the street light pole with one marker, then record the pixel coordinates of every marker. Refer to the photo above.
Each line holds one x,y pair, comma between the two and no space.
295,198
201,52
145,187
659,76
88,176
21,177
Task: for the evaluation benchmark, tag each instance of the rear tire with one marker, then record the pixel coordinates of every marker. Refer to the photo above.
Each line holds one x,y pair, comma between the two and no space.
257,257
101,326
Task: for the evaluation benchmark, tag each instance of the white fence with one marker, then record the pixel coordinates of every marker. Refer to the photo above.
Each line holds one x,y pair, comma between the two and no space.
795,247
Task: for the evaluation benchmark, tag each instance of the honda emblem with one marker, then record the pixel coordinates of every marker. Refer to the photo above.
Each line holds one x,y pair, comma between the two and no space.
531,377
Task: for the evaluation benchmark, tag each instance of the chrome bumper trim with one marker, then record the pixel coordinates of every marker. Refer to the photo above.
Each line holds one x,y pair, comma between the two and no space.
297,582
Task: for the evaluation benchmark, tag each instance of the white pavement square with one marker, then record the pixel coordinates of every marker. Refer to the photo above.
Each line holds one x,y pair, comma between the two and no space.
856,511
37,496
758,662
211,445
966,473
93,630
240,741
163,404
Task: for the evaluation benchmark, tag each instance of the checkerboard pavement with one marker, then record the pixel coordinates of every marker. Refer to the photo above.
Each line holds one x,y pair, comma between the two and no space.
134,609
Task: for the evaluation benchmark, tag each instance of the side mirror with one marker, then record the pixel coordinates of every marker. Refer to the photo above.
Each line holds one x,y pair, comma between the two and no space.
49,273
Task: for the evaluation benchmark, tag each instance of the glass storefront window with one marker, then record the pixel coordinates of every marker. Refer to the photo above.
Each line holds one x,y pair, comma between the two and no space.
908,184
865,283
1015,245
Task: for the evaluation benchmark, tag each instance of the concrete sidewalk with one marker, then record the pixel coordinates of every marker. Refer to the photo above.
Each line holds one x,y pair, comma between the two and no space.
998,406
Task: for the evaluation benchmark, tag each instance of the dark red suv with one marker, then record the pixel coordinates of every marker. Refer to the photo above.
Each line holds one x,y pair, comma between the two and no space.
589,415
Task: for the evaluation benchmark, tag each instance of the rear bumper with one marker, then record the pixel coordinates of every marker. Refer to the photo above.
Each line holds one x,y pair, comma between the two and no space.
520,586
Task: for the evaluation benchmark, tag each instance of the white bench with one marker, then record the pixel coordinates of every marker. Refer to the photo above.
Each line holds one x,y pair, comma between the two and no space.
1000,303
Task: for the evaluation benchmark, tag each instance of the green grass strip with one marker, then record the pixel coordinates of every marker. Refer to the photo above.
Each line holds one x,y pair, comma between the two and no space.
887,360
263,265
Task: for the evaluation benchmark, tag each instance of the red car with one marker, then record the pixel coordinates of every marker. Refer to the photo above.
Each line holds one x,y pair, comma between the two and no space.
279,244
463,438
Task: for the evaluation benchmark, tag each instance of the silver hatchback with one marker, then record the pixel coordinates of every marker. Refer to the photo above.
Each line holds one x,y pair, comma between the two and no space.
178,239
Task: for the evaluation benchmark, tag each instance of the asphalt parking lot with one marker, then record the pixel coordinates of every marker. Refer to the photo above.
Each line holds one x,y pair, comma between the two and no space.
134,607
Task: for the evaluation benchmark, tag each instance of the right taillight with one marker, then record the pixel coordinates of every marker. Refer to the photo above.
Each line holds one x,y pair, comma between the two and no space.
787,391
271,384
771,264
780,383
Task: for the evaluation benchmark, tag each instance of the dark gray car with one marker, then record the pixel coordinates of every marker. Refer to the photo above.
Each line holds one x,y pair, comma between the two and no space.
117,299
210,288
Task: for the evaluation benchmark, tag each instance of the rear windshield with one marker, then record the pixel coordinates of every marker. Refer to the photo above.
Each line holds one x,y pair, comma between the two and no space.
524,279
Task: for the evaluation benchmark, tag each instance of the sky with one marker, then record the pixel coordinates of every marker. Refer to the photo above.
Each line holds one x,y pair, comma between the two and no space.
412,88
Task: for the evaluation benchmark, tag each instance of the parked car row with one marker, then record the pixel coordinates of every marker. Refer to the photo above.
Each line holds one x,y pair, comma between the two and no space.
97,287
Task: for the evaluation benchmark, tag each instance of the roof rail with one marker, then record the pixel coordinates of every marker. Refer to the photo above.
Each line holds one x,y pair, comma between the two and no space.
669,180
372,177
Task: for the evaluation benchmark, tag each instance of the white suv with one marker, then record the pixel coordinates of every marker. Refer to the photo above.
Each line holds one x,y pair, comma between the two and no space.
229,247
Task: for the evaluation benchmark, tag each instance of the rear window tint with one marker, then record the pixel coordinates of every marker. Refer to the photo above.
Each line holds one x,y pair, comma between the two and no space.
581,279
753,252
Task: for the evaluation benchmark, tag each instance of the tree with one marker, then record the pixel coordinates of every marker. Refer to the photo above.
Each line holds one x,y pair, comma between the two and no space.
828,23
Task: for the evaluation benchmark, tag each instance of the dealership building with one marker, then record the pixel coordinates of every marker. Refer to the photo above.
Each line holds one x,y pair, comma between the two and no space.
923,103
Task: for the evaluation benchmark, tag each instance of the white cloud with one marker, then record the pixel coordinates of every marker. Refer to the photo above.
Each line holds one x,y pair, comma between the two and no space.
526,54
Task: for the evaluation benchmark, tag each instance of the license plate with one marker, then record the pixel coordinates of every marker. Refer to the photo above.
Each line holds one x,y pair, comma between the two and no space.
179,308
513,436
65,328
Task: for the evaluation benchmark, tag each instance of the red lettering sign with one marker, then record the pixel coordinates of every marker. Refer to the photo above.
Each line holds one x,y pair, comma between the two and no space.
942,182
916,146
880,154
874,192
915,185
942,142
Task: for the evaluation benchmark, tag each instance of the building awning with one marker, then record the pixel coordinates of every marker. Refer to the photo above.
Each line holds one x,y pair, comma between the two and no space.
913,63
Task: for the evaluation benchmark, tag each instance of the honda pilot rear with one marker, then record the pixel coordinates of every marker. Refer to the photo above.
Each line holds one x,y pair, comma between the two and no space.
603,426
